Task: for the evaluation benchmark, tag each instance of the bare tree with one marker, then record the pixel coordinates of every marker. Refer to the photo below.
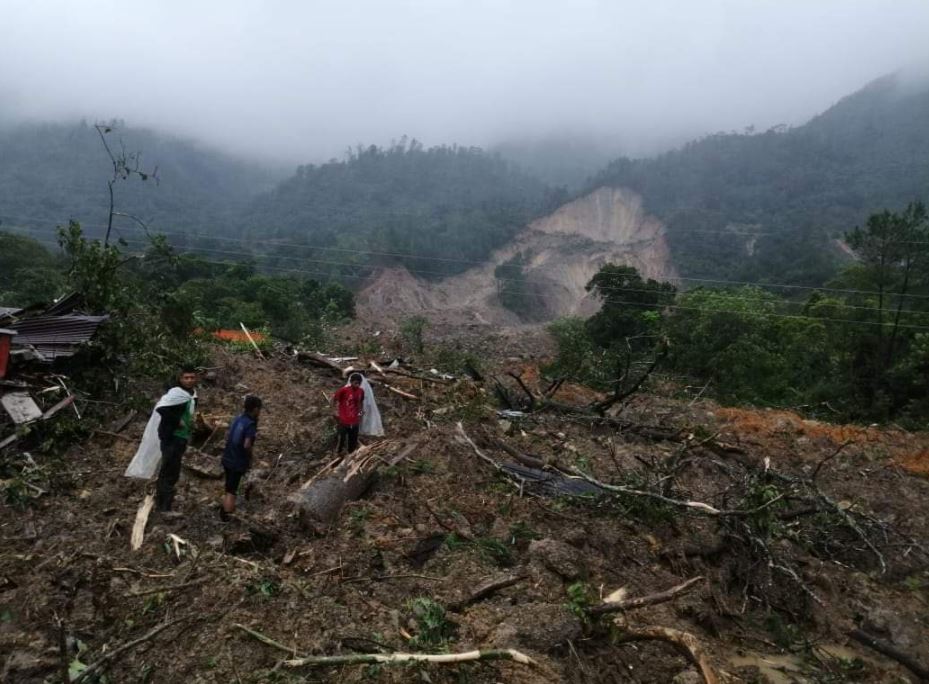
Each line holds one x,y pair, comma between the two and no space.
125,166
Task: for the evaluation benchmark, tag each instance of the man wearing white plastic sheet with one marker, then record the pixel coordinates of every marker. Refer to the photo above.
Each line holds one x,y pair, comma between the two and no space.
371,418
355,412
166,436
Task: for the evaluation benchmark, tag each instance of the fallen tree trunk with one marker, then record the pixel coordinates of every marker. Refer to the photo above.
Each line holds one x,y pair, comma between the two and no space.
320,500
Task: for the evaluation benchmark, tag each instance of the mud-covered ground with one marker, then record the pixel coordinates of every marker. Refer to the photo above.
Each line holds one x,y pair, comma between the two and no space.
441,522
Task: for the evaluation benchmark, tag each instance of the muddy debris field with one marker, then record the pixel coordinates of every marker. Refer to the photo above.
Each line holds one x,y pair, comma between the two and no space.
666,541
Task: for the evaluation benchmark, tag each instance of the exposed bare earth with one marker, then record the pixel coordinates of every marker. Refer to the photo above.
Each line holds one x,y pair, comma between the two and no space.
563,251
66,570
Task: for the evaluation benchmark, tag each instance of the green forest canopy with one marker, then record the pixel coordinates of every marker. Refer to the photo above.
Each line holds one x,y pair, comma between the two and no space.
434,210
765,207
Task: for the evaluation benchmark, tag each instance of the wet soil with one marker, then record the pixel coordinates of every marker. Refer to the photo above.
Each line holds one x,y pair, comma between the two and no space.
72,591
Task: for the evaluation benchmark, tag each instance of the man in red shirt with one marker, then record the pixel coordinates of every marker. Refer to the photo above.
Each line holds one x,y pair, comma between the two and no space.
347,409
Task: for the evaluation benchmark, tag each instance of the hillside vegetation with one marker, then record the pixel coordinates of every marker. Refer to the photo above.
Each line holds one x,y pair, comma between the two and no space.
433,210
51,173
764,207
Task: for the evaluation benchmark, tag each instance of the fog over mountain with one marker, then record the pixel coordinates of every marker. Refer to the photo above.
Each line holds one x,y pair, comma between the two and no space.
300,81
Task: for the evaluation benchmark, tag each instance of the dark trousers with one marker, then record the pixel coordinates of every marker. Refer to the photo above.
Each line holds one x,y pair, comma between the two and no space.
347,437
172,452
233,478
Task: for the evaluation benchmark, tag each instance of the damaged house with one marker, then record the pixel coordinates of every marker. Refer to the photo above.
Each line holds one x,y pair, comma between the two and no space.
38,336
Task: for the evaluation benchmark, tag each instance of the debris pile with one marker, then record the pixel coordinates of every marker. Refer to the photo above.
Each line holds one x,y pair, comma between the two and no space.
529,545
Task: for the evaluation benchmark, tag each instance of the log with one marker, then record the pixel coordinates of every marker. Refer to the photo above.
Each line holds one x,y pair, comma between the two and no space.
320,500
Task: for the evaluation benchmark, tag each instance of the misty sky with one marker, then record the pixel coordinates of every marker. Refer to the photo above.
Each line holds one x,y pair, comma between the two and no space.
300,80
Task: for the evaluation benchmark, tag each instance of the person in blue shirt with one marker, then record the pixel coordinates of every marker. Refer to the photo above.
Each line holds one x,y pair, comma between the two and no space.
237,456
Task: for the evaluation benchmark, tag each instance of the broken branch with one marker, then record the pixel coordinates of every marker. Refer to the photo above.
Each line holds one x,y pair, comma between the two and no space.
395,658
485,590
141,519
98,664
642,601
685,642
697,506
266,639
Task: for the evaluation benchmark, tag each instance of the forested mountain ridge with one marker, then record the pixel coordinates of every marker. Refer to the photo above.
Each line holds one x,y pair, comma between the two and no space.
53,172
433,210
766,207
762,207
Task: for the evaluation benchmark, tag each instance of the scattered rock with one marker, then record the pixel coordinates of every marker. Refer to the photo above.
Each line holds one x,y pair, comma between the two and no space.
539,626
557,557
689,676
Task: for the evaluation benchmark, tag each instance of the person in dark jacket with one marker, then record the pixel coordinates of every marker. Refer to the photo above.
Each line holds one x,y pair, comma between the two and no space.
174,434
237,456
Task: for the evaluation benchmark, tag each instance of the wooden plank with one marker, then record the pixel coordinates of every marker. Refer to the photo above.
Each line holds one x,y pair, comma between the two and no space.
21,407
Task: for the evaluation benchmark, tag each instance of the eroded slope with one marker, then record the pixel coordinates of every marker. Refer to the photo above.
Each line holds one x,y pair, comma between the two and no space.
561,253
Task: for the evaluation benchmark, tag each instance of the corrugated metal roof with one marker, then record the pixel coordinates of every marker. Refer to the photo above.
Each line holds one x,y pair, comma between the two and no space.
8,311
64,305
56,336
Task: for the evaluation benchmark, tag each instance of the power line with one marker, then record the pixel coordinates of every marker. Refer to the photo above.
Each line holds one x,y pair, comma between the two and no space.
302,260
707,231
325,262
421,271
845,321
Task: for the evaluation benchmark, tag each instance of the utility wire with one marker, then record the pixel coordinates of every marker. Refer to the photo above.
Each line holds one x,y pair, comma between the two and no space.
645,304
425,272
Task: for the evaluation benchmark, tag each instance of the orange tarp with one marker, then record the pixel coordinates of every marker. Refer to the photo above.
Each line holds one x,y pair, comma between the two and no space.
234,335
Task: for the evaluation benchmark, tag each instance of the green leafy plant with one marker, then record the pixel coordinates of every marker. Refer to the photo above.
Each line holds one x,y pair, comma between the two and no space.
433,630
264,588
580,598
